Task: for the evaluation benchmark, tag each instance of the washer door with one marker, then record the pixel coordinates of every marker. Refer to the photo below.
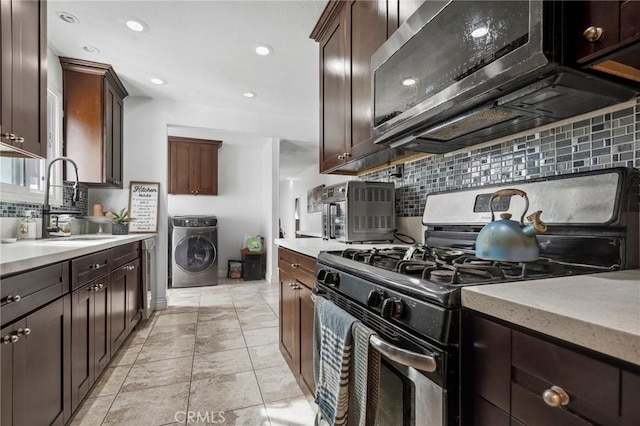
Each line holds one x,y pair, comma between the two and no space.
195,254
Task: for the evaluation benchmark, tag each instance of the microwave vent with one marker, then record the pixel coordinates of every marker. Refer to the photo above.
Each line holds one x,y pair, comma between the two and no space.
469,123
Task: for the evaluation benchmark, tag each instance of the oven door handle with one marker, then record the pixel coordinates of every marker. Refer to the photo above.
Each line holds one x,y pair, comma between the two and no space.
422,362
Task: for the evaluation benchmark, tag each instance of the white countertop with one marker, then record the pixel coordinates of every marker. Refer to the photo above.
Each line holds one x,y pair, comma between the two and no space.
599,311
23,255
313,246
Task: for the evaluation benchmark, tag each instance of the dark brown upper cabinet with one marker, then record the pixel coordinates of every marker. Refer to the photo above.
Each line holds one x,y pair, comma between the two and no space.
193,166
349,32
607,36
93,122
23,90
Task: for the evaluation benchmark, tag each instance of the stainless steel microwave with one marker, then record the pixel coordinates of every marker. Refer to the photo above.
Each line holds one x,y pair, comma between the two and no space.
459,73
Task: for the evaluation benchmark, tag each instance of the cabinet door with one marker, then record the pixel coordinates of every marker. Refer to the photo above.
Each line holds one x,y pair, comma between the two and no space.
82,343
334,89
306,340
5,71
289,322
206,170
368,31
113,135
599,14
6,377
179,168
42,392
118,308
133,291
101,325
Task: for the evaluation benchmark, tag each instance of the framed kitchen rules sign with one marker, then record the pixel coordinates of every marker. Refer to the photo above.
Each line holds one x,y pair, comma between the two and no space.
143,206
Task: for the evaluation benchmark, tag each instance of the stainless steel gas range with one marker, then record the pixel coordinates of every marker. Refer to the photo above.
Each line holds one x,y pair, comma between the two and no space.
411,295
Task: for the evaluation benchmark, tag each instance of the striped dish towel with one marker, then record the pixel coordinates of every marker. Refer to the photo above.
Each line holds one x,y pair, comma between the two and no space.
365,378
332,358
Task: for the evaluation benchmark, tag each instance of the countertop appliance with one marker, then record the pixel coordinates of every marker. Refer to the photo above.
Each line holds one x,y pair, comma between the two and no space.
358,211
459,73
194,257
411,296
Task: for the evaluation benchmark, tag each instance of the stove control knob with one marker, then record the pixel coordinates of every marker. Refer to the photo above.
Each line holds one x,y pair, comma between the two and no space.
375,298
332,279
392,308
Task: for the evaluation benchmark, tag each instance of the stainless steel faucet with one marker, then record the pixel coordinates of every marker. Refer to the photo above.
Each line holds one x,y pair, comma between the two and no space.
46,209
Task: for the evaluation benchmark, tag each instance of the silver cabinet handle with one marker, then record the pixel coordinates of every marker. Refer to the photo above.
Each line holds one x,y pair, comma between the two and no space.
295,265
9,136
11,299
341,157
555,396
592,34
20,139
95,266
24,331
99,287
129,268
10,338
346,155
422,362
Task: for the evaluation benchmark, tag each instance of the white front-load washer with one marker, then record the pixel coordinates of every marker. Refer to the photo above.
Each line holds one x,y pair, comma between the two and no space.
194,254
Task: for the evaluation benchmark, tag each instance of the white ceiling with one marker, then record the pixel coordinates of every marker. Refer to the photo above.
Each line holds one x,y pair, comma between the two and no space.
204,49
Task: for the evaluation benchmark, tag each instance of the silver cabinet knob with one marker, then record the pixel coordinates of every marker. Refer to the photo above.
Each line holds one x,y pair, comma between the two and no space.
346,155
10,298
341,157
555,396
592,34
295,265
20,139
91,288
99,287
10,338
95,266
9,136
24,331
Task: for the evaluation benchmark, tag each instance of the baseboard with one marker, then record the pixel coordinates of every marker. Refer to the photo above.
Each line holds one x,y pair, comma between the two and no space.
159,304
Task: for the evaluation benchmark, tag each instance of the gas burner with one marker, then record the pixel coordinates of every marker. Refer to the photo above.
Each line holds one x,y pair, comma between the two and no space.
415,267
440,275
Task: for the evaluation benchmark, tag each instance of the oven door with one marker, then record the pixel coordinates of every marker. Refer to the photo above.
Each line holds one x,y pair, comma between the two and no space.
410,393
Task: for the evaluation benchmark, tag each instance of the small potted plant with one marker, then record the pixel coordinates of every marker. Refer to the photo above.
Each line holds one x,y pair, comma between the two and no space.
120,225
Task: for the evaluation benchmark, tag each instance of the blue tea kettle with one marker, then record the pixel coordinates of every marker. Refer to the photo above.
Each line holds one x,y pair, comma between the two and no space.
507,240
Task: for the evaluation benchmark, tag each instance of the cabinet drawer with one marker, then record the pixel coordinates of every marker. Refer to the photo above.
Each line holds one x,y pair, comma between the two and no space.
124,253
299,266
32,289
88,268
593,386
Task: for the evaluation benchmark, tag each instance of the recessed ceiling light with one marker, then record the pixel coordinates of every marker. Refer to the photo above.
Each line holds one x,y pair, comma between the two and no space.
135,24
409,81
249,94
90,49
263,49
480,32
67,17
158,81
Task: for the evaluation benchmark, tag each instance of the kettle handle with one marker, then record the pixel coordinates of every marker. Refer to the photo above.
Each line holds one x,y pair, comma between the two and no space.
510,191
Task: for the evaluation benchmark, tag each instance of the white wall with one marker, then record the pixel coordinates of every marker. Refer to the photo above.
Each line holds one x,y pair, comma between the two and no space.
290,189
240,205
146,124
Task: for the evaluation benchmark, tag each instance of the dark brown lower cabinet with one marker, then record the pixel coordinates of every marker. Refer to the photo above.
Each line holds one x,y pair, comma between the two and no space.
296,316
289,322
36,365
124,312
507,370
306,340
90,339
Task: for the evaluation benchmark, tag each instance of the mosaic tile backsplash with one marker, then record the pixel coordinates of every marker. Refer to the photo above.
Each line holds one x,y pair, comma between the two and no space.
602,141
15,209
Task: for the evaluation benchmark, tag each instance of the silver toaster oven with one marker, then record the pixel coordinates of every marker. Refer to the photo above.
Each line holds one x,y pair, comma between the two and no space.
358,211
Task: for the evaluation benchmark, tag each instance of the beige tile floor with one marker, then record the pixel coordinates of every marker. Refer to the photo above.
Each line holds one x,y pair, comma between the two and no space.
214,353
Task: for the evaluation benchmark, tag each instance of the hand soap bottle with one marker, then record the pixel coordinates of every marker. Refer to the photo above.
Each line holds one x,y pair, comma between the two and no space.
28,226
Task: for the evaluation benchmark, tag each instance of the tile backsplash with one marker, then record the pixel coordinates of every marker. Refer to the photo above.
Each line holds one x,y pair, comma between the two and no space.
598,142
16,209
